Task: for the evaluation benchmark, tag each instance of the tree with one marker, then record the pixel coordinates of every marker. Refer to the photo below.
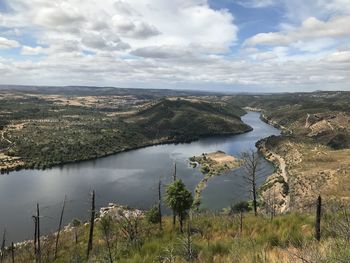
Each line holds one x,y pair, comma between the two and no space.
92,221
251,167
318,219
153,215
179,199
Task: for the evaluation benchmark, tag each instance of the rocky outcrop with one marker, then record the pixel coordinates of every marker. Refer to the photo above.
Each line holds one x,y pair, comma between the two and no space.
119,212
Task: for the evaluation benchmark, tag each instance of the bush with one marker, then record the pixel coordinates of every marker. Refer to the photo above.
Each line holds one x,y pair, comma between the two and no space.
153,215
242,206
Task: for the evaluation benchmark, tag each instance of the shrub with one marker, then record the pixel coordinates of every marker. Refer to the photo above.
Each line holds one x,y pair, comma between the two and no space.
153,215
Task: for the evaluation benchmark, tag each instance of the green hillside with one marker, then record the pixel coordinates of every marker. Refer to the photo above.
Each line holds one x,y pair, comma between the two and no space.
42,132
184,120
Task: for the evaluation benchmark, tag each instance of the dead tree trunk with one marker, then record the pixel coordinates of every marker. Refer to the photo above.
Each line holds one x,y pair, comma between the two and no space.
38,232
92,221
174,179
59,226
318,219
254,196
160,203
13,252
3,244
35,239
241,222
251,168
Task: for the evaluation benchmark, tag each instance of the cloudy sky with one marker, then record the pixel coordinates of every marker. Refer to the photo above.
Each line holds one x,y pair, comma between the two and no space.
236,45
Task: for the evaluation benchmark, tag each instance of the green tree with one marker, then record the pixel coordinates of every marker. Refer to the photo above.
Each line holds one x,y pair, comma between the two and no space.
179,199
153,215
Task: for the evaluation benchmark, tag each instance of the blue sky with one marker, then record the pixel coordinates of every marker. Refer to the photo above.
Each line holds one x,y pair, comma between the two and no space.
234,45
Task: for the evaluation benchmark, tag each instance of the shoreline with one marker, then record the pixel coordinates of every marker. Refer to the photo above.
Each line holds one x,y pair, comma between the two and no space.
210,166
278,181
162,143
150,144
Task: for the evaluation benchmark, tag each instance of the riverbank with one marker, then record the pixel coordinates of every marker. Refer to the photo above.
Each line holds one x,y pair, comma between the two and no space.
211,164
276,191
275,124
304,170
17,163
129,178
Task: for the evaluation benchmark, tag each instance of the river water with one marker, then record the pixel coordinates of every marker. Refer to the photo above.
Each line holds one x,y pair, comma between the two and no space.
128,178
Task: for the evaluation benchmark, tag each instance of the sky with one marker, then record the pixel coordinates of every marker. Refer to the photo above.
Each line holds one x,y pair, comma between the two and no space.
219,45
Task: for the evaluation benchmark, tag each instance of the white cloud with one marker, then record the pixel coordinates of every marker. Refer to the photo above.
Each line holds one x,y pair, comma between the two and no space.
148,43
257,3
310,29
340,56
8,43
30,51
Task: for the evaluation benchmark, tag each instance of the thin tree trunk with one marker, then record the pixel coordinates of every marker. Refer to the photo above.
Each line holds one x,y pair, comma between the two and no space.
160,204
35,239
38,232
3,244
318,219
174,179
13,252
254,199
241,222
59,226
76,236
181,223
92,221
109,250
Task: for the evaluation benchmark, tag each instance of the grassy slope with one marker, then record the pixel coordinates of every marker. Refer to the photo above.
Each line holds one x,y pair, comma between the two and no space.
218,239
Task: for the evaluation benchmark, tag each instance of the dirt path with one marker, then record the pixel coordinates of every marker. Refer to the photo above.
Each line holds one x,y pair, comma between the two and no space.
281,171
3,137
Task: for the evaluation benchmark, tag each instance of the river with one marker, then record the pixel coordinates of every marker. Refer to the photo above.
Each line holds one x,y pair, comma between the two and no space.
128,178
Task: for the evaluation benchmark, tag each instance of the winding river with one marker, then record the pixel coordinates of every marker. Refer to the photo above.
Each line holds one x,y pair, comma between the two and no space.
128,178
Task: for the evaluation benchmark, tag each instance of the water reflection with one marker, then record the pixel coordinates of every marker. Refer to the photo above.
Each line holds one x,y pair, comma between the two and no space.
128,178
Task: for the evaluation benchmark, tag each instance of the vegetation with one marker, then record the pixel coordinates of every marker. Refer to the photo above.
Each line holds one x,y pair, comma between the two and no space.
179,199
208,238
211,164
42,131
310,158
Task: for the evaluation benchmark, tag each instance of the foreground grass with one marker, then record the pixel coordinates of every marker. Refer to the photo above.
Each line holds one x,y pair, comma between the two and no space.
213,238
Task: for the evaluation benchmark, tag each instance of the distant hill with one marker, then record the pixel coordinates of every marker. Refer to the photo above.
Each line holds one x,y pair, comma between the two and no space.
323,116
102,91
186,120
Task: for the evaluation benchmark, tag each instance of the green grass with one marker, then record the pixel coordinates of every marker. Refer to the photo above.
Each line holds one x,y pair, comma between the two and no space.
215,238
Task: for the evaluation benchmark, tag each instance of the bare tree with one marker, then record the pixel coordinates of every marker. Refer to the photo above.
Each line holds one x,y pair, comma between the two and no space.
60,226
3,244
35,237
37,247
318,219
174,179
92,221
270,203
13,252
160,203
251,167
